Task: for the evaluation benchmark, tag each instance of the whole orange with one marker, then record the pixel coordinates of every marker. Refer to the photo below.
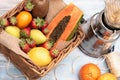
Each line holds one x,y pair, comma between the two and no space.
23,19
89,71
107,76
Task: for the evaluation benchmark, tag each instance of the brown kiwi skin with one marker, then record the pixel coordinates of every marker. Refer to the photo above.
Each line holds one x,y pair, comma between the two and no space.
41,8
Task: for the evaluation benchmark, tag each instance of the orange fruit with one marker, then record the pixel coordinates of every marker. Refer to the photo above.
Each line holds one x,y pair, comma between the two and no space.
89,71
23,19
107,76
40,56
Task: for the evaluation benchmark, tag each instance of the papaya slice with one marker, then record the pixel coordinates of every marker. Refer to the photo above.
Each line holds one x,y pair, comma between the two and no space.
57,32
71,12
65,12
72,26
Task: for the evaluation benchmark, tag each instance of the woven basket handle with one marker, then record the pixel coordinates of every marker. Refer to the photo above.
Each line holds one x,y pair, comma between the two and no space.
11,43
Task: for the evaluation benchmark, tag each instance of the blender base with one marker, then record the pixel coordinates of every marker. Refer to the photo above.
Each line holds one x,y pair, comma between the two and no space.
87,53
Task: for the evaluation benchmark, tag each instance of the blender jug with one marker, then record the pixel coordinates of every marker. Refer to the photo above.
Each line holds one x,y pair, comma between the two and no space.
99,36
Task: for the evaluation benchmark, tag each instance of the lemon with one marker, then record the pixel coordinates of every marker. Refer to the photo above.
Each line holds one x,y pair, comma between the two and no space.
13,30
40,56
37,36
107,76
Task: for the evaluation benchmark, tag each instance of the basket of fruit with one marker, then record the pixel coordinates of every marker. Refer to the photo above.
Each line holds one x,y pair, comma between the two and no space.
35,44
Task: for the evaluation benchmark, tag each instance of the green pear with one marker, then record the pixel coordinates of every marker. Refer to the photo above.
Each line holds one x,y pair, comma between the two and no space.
37,36
13,30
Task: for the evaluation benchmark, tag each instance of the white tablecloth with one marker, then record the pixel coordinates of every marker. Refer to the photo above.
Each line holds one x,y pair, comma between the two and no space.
68,69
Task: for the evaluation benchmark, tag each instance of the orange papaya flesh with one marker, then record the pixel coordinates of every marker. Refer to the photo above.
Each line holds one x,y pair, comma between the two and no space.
72,26
76,15
70,30
65,12
54,36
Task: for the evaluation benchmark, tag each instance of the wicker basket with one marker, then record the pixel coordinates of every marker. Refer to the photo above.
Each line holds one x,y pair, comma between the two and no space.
9,47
